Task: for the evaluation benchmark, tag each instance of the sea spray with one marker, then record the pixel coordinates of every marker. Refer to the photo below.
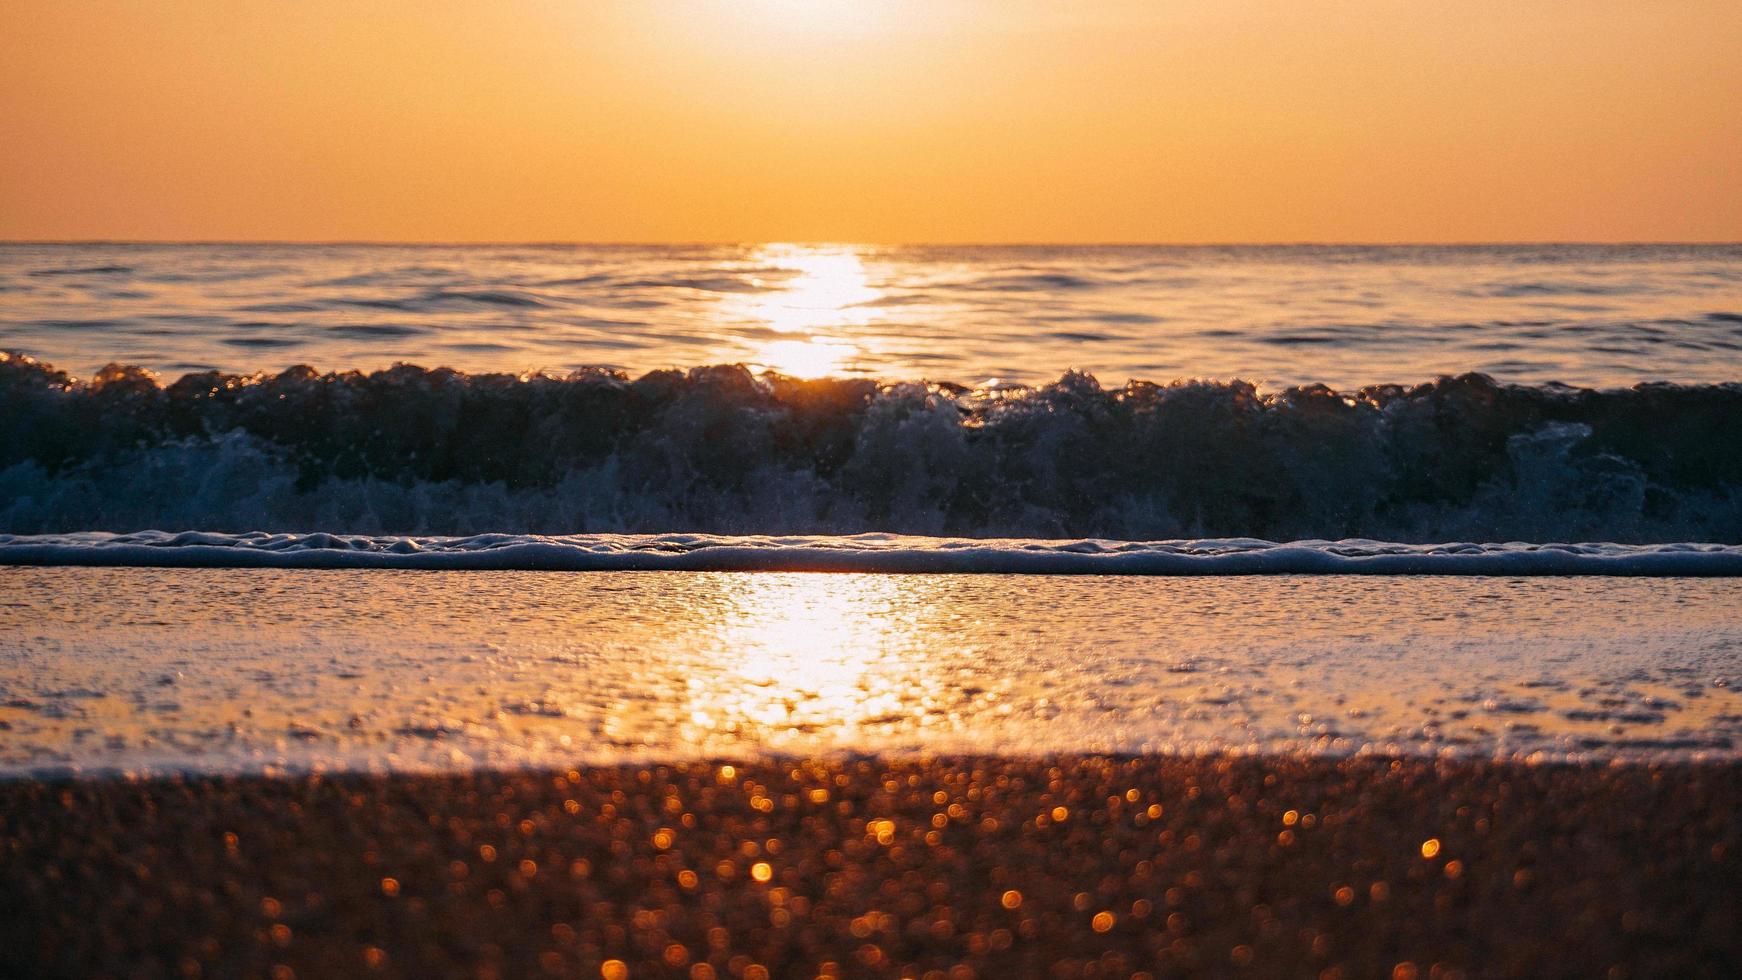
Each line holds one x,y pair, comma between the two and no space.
720,449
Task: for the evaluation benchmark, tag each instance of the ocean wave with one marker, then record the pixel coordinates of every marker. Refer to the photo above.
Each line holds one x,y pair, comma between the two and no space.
90,270
1555,288
488,297
719,449
1030,282
861,553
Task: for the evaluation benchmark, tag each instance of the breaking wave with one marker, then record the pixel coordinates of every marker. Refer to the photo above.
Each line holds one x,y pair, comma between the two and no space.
410,451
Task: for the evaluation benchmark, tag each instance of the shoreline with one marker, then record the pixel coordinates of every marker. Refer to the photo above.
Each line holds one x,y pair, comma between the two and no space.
878,553
885,866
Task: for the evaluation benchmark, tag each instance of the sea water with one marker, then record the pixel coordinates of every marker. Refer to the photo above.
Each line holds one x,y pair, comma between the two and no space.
451,506
1345,316
222,670
1404,394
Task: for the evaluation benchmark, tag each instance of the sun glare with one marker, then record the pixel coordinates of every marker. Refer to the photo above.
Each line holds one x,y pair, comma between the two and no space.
804,358
805,653
812,17
828,288
818,295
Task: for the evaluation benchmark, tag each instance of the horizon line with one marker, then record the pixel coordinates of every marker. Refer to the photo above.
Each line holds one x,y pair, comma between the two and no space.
880,244
840,243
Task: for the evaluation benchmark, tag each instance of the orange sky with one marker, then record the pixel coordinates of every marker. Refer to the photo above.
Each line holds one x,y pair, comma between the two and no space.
878,120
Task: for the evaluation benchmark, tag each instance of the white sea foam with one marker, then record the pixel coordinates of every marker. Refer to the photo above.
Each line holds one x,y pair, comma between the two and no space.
863,553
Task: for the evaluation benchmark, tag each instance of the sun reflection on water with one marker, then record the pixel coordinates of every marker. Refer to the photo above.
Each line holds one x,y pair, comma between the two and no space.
804,358
805,654
827,294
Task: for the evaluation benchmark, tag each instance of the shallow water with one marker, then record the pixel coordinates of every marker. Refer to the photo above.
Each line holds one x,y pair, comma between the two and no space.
1340,315
267,670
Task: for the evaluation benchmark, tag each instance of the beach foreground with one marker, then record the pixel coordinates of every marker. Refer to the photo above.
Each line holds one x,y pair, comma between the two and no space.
983,865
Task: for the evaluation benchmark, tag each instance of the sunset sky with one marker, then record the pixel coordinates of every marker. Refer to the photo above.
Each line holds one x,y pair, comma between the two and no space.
879,121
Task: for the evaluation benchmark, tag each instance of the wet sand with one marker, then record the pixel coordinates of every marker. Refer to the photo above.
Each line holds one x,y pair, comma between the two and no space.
983,866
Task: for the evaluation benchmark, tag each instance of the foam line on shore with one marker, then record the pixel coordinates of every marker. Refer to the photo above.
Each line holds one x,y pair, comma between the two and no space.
862,553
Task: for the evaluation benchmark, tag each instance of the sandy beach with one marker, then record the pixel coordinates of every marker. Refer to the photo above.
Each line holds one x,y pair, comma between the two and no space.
977,866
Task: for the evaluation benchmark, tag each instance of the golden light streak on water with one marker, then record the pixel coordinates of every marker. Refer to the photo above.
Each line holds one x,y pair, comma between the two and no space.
810,653
828,294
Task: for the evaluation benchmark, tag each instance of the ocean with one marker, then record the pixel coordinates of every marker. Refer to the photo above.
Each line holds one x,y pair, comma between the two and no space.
1416,395
688,425
691,424
1346,316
